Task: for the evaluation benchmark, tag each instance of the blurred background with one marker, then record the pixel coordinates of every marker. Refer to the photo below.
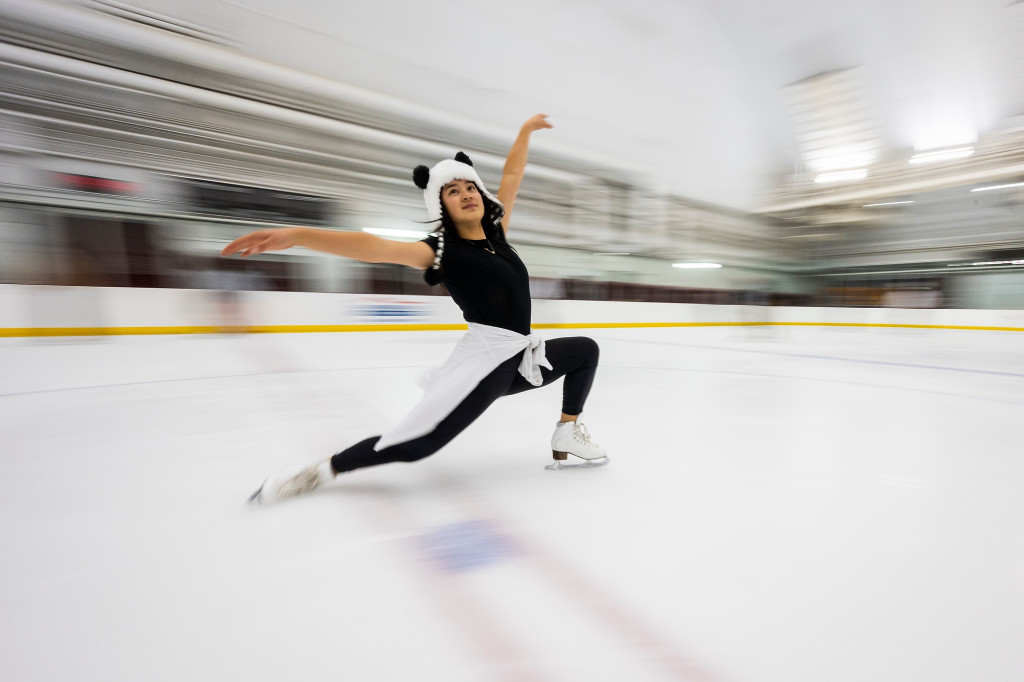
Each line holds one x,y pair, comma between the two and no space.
832,154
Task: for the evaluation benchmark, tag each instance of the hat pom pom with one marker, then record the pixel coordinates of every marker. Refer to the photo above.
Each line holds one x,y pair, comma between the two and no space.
462,158
432,276
421,176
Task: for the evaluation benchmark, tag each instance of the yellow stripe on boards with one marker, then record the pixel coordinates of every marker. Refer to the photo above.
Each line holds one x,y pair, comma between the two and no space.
897,326
11,332
272,329
101,331
642,325
307,329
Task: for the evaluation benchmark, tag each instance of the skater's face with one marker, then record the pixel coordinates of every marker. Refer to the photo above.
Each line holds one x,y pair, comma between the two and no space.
463,201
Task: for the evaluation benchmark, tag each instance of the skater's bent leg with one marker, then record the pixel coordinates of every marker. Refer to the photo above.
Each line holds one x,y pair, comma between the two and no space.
576,359
490,388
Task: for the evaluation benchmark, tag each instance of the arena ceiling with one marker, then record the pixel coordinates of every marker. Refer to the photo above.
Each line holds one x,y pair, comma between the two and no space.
738,103
713,100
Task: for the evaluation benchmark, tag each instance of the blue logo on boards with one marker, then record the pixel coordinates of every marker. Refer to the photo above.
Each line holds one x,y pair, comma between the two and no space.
389,311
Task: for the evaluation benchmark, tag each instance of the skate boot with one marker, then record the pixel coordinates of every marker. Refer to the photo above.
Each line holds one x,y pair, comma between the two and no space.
294,482
572,438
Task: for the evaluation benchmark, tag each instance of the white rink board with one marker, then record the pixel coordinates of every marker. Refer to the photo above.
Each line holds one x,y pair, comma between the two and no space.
40,307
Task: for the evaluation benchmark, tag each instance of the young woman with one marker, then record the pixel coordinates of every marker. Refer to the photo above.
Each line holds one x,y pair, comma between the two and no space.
470,254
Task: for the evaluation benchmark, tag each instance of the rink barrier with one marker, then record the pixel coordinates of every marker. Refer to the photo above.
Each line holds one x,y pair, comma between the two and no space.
49,311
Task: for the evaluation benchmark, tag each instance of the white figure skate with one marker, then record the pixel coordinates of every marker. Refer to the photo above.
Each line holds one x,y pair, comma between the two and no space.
572,438
294,482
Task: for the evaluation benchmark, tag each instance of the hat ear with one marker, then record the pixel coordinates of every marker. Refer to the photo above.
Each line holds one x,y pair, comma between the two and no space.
462,158
421,176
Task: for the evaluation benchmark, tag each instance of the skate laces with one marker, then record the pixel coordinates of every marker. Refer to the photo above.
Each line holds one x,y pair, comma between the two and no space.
581,434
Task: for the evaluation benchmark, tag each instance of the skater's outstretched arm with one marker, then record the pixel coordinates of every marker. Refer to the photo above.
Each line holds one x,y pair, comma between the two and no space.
356,245
515,165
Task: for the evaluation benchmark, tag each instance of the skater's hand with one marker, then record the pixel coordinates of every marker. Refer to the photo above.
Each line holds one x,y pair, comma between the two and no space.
537,122
263,240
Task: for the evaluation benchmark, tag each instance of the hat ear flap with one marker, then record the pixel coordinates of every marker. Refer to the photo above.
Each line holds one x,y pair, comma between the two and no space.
462,158
421,176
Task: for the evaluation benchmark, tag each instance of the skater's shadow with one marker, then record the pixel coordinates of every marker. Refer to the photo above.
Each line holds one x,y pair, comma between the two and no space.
380,491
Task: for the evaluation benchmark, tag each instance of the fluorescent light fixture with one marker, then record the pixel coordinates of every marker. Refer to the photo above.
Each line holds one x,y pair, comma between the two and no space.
842,176
611,253
887,203
410,235
986,264
991,187
844,158
697,266
942,155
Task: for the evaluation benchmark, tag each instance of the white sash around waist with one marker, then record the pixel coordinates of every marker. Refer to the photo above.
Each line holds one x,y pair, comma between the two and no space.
475,356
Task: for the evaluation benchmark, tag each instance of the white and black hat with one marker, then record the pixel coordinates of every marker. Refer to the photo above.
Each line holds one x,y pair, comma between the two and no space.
431,180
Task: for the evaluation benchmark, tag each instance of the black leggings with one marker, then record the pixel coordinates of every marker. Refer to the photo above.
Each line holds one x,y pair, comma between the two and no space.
575,358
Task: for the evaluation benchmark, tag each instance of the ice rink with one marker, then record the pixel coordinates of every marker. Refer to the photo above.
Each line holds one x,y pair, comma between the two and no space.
782,505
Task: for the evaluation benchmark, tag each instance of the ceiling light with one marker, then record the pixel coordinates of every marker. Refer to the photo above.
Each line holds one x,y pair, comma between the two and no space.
990,187
697,266
410,235
942,155
987,263
887,203
843,158
842,176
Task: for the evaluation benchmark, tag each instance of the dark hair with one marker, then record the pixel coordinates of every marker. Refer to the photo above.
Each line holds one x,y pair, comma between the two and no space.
491,224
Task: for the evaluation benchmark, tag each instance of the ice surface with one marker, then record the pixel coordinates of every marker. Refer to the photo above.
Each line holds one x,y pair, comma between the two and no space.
803,505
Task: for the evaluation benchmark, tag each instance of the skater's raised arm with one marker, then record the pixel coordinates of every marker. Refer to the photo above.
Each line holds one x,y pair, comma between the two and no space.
355,245
515,165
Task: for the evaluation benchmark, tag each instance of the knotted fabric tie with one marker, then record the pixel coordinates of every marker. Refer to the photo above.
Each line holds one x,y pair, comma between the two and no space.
533,359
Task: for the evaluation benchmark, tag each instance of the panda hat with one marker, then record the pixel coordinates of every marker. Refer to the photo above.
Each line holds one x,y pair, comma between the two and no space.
431,180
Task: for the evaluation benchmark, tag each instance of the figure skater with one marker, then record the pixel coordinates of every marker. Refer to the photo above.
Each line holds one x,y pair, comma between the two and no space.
499,355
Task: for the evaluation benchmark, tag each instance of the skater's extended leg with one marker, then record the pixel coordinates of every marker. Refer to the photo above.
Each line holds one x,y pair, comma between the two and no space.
362,454
490,388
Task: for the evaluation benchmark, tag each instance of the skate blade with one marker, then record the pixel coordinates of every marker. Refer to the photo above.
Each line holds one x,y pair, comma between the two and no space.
558,465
